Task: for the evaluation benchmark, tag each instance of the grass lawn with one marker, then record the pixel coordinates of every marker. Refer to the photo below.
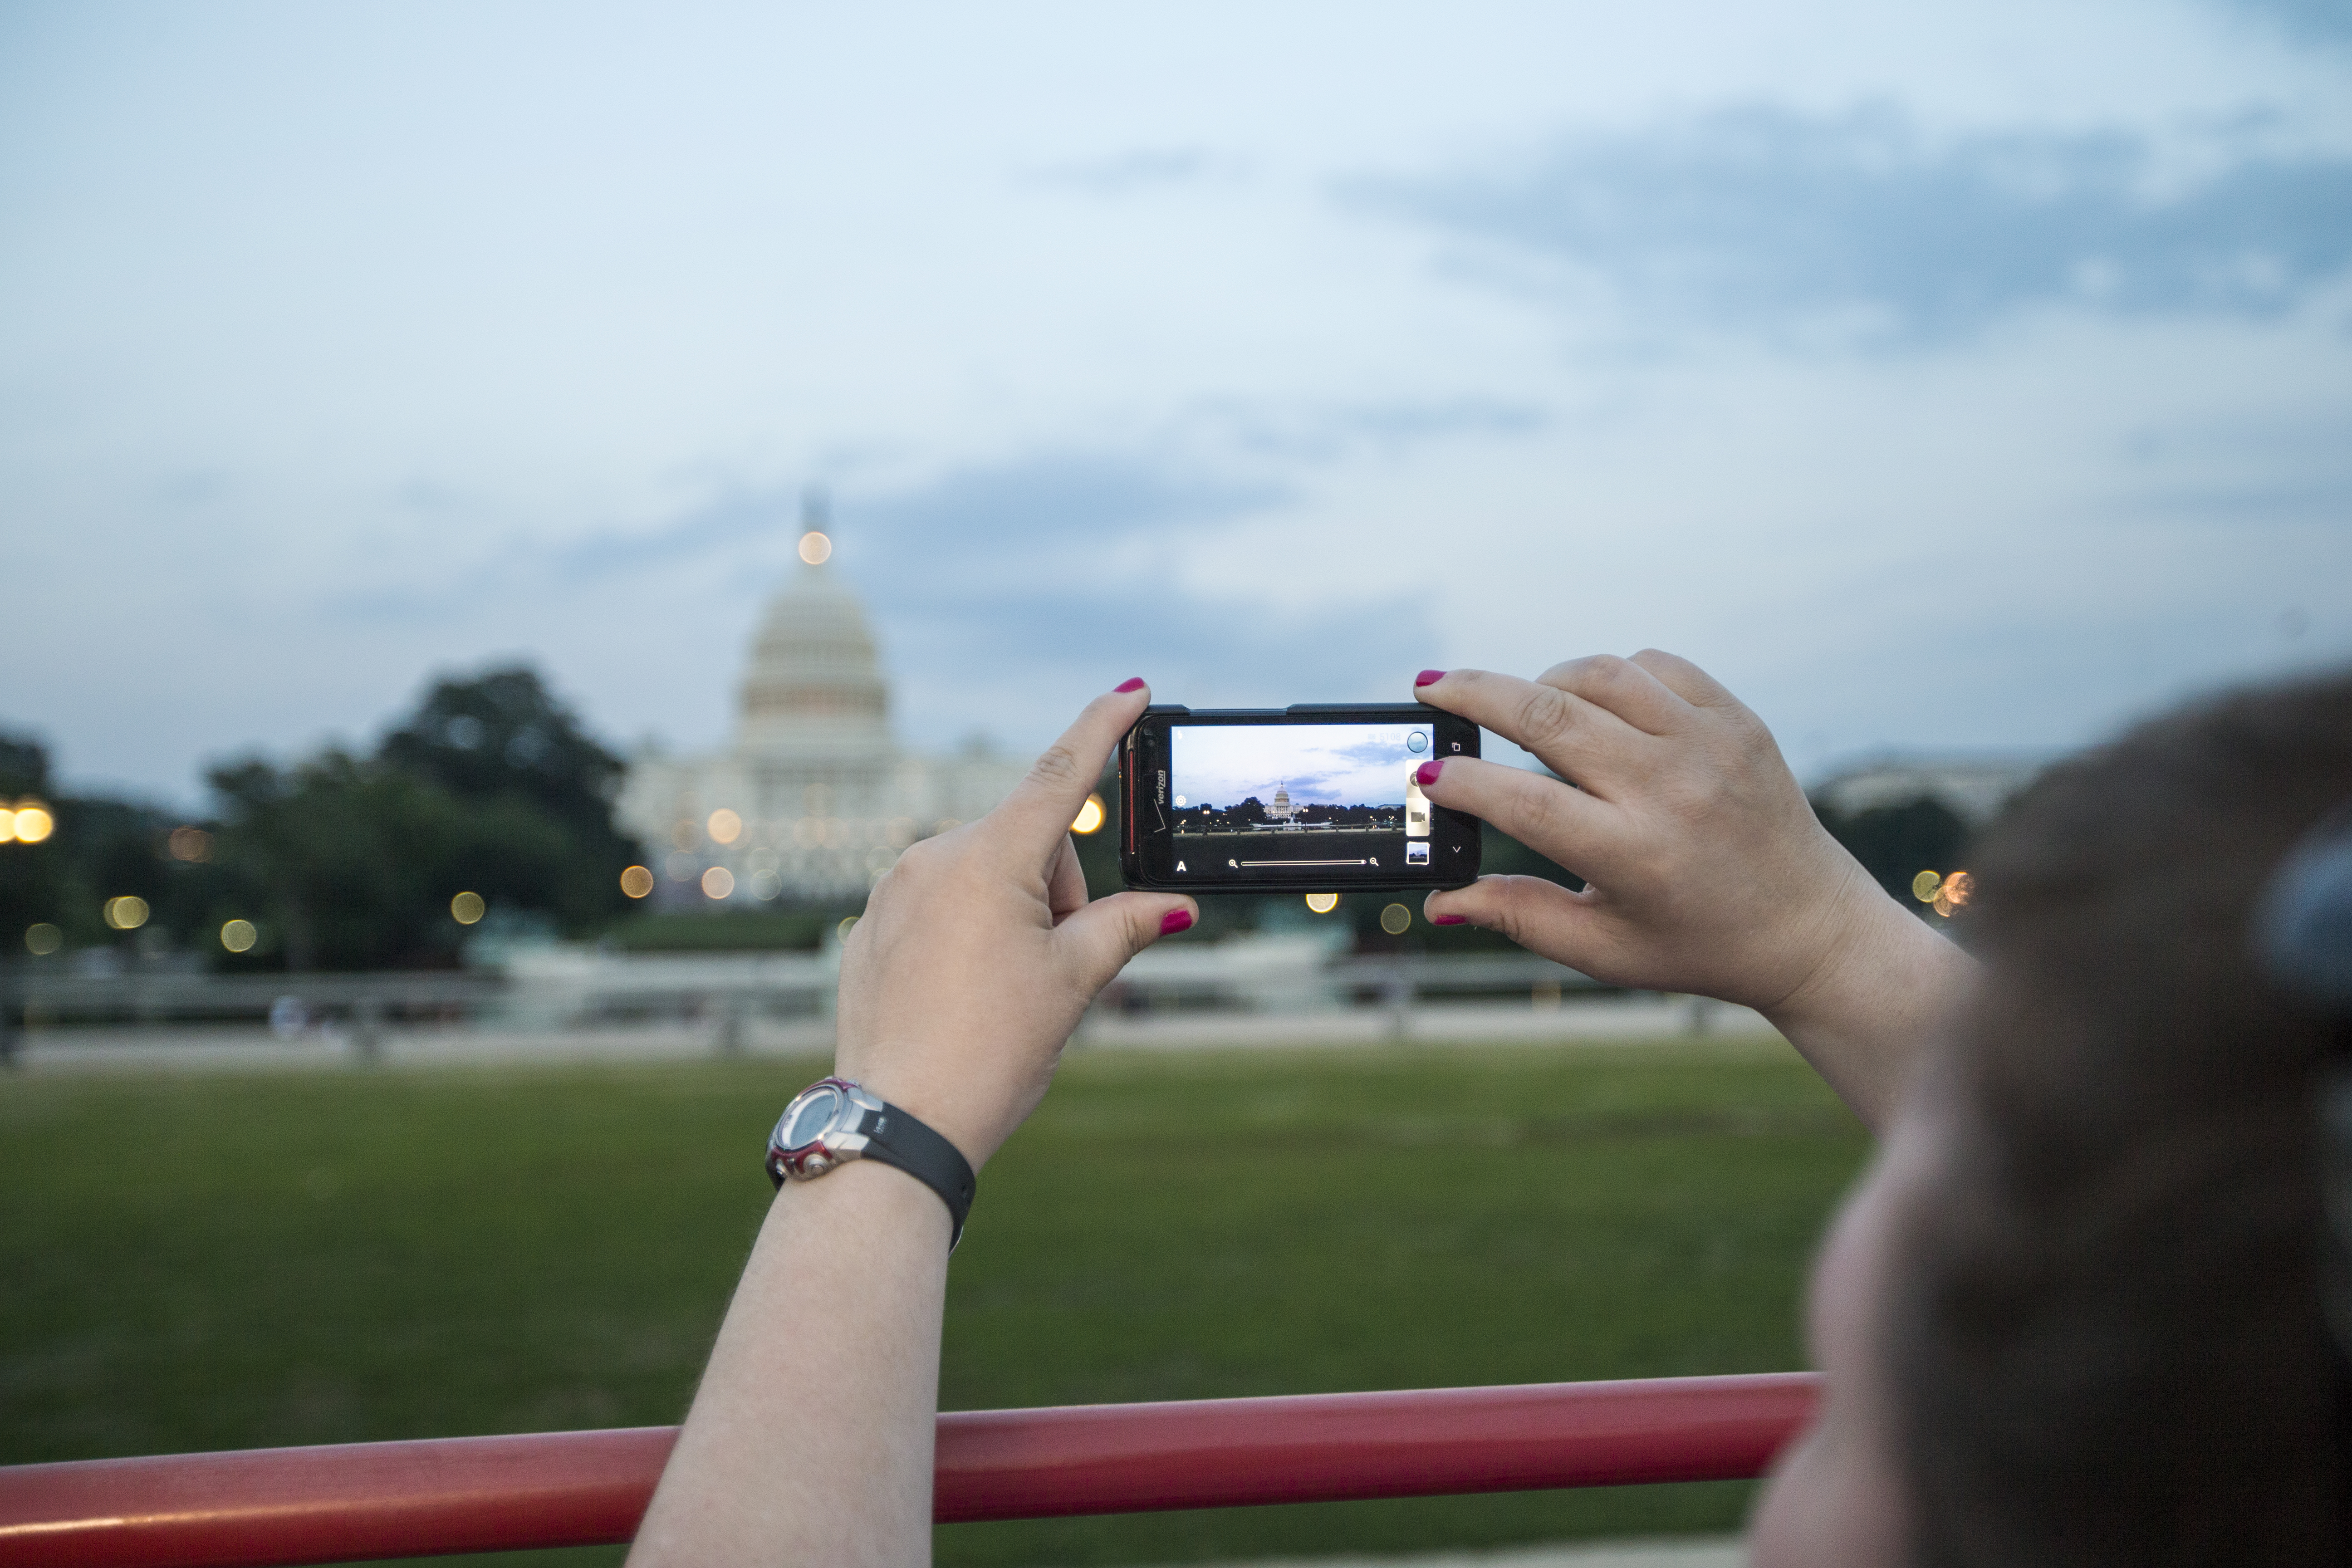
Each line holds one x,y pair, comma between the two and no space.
218,1262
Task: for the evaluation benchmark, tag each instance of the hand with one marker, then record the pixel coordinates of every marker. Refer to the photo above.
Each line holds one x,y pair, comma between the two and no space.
1706,870
979,951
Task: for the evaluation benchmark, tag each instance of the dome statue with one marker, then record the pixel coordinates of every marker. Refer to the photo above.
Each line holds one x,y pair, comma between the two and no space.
812,800
814,688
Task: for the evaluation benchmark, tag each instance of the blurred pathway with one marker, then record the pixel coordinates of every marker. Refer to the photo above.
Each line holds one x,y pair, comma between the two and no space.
1589,1020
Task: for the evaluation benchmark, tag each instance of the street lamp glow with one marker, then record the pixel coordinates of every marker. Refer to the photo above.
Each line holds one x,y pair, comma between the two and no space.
127,912
465,908
33,822
1090,815
725,826
238,936
42,939
718,882
637,881
1395,919
1322,903
815,548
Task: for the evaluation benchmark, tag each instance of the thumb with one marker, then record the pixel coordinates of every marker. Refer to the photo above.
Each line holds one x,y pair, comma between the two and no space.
1100,939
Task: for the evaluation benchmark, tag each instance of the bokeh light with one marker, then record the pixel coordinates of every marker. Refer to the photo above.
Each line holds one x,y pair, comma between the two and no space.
718,882
126,912
34,822
1953,893
7,825
1925,885
725,826
42,939
1322,903
1090,815
637,881
815,548
191,844
468,907
1396,919
238,936
842,930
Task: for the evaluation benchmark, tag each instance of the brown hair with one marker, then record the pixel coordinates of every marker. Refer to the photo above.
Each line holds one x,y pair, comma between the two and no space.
2106,1337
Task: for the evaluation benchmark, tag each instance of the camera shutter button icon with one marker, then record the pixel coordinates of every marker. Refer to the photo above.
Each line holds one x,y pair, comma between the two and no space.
1418,742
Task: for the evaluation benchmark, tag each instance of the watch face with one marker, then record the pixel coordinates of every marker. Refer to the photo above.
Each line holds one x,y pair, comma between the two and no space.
810,1117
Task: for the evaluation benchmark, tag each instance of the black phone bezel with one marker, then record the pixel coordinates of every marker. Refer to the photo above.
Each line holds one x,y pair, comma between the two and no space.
1146,854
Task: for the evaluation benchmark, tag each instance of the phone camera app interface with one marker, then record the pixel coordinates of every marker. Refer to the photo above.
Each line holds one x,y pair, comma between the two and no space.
1334,799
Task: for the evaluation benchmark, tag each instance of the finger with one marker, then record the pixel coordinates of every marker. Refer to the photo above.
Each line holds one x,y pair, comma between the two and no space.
1100,939
1623,686
1576,739
1036,817
1569,828
1065,884
1542,917
1693,685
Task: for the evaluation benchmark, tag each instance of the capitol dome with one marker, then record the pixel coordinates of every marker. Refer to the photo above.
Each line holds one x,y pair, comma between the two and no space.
813,801
814,684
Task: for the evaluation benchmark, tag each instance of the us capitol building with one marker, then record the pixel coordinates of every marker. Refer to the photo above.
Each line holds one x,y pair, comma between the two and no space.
814,799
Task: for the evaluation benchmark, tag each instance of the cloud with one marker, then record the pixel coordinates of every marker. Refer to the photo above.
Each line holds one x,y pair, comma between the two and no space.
1009,591
2311,21
1055,498
1144,168
1765,220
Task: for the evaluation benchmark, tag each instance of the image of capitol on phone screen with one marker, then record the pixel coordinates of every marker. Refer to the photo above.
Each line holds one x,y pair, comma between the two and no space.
1339,798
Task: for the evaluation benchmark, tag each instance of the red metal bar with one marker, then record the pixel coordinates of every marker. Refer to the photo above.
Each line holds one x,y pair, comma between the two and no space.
577,1489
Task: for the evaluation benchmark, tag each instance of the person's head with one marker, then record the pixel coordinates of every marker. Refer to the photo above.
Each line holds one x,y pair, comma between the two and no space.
2074,1315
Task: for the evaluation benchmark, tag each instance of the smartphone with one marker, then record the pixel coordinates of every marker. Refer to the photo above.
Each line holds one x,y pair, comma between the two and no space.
1316,797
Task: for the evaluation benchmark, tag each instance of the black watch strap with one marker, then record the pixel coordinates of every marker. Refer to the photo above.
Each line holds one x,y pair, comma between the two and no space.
859,1124
895,1138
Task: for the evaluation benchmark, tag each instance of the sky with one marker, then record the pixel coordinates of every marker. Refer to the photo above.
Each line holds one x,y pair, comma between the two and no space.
1320,764
1949,376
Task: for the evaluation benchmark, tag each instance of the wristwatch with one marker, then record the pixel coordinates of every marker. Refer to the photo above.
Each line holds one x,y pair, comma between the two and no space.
833,1121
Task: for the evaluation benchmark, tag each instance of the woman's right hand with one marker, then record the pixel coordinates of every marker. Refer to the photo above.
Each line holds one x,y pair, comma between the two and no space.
1706,868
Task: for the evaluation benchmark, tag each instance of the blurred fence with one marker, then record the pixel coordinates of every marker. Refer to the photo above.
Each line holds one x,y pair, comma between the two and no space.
736,1001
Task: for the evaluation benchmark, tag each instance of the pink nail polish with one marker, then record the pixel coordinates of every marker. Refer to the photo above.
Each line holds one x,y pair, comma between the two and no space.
1427,774
1175,921
1449,920
1132,683
1429,678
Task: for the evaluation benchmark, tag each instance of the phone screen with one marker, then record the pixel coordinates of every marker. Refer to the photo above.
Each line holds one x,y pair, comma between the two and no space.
1246,798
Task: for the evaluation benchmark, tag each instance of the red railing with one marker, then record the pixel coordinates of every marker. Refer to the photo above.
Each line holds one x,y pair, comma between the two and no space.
579,1488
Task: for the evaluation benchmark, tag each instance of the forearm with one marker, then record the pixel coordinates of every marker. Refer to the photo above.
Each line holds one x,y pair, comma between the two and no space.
811,1438
1865,1018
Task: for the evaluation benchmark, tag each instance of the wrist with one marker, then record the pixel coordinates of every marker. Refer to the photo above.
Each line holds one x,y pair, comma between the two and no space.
1884,981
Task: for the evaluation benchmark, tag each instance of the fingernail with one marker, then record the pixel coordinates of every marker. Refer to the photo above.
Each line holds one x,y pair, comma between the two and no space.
1429,678
1175,921
1449,920
1132,683
1427,774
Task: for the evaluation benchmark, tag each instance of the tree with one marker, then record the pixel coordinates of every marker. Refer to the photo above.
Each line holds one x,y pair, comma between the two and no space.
1896,843
503,732
356,861
503,737
32,876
